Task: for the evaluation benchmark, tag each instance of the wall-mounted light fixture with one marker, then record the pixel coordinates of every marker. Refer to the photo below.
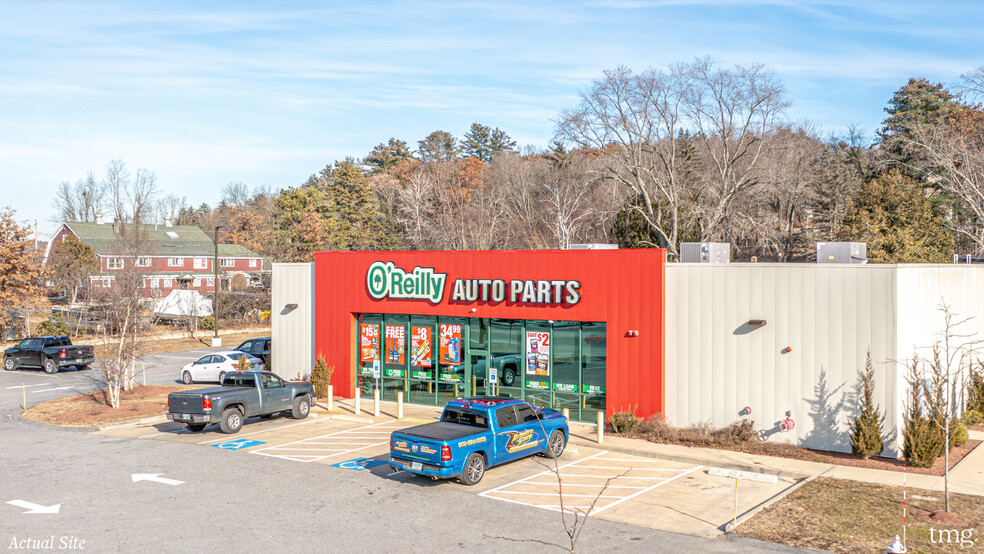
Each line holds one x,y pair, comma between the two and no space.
756,322
472,310
291,306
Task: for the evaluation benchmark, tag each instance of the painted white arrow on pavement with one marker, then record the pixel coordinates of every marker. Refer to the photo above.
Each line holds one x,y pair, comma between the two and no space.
25,386
155,477
33,508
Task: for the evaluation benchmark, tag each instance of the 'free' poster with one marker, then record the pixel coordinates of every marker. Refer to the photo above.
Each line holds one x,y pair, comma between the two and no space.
396,343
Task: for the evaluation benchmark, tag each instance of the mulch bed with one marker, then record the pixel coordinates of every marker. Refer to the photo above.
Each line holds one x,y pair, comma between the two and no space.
783,450
92,409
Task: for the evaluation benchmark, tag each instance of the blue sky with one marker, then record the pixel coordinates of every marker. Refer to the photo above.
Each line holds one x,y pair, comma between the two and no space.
209,93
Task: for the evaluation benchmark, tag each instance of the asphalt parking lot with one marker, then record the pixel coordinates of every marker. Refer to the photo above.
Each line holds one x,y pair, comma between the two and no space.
619,487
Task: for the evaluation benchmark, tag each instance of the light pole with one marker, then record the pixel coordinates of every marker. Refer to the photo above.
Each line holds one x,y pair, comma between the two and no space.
215,301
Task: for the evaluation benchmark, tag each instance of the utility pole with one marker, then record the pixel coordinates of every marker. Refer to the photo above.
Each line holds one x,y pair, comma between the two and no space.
215,301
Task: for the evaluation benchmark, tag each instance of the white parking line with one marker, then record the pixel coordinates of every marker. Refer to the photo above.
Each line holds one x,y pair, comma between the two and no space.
49,390
25,386
359,437
603,508
603,484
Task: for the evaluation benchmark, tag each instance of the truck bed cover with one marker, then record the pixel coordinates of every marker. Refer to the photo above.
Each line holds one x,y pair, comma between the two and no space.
441,431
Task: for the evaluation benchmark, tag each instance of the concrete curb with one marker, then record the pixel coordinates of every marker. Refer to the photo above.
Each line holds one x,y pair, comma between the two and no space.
691,459
148,419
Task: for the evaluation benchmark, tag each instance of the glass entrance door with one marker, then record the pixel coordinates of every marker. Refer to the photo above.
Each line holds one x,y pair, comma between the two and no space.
478,364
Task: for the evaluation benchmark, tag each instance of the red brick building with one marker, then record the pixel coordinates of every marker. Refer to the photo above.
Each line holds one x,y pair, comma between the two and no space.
172,257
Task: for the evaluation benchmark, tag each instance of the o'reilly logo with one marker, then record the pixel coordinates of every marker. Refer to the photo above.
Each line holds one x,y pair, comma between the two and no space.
385,279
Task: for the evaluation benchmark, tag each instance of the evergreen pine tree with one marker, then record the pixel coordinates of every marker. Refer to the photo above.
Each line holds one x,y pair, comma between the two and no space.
921,443
866,428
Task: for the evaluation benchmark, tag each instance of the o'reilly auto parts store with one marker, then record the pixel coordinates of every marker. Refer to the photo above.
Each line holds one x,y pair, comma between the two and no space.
619,330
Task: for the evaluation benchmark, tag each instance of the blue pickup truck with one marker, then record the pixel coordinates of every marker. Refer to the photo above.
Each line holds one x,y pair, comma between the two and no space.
475,433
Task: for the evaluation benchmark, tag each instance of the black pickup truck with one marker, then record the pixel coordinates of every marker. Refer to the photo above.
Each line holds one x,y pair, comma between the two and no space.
242,394
50,353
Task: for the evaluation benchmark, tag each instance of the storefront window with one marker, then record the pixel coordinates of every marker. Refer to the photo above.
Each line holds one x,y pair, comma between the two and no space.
506,346
451,370
537,362
565,348
370,350
432,360
593,368
395,356
423,359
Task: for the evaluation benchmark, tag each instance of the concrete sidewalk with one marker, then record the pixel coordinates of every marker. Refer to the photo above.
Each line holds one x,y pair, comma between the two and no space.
967,477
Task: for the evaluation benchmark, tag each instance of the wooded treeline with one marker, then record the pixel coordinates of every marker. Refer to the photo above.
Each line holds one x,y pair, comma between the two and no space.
690,152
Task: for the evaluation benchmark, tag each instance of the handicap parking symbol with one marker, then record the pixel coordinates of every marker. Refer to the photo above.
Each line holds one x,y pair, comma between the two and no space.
359,464
238,445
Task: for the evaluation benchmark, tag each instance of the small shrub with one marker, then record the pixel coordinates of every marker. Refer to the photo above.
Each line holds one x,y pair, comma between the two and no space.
265,316
207,323
737,432
624,423
321,377
972,417
960,434
975,390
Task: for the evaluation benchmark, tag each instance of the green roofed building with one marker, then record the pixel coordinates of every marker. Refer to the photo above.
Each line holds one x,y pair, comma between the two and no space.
168,257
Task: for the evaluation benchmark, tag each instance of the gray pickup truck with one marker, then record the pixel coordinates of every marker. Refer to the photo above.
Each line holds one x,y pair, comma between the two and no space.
242,394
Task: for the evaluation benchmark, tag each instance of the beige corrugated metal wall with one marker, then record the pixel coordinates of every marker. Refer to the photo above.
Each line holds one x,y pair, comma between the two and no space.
923,289
830,315
292,330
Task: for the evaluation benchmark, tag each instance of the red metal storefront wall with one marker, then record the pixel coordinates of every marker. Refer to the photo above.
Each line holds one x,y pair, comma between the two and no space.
623,288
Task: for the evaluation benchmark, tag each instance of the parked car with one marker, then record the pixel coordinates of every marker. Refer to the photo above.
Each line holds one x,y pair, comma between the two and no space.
242,394
214,366
50,353
476,433
257,347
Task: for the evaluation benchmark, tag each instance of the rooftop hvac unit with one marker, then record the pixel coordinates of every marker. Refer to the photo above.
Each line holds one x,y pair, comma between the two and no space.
593,246
705,252
842,253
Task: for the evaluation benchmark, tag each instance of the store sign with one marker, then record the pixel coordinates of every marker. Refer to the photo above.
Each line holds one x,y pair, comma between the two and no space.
385,279
519,291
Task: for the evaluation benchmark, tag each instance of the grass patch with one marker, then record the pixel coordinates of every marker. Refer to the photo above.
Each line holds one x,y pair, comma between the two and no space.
91,409
848,516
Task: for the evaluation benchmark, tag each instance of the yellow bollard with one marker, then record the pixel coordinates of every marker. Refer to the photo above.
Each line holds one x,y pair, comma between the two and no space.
358,397
24,390
399,405
567,413
331,394
601,427
474,389
375,402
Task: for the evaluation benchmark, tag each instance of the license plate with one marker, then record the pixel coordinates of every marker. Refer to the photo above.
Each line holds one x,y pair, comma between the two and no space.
181,416
416,466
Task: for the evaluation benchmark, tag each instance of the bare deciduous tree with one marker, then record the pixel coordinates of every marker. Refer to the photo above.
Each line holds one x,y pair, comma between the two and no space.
733,112
635,120
81,201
